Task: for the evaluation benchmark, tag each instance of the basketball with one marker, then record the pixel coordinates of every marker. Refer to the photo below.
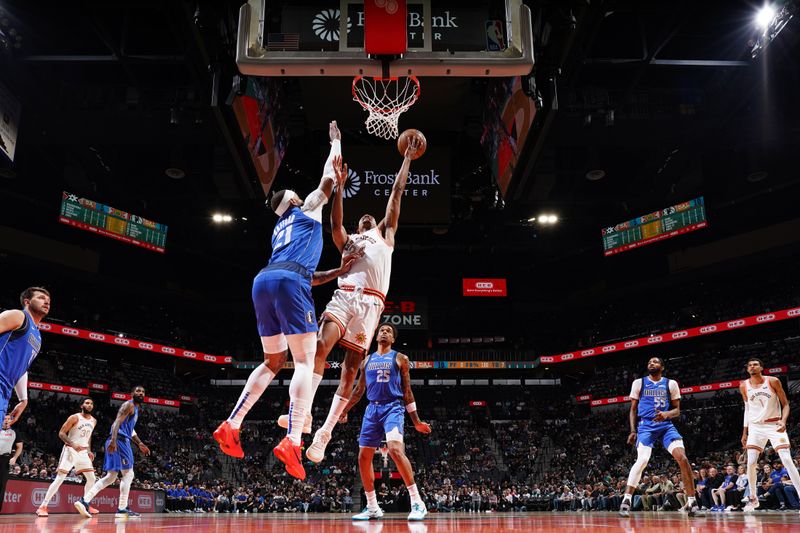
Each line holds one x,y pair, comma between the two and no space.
402,142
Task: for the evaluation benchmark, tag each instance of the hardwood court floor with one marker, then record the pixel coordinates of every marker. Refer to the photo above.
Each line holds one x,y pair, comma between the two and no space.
396,523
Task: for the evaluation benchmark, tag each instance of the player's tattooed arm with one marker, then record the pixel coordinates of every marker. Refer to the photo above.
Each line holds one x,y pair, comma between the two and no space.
63,433
776,385
632,418
408,395
389,223
124,411
320,278
358,392
337,209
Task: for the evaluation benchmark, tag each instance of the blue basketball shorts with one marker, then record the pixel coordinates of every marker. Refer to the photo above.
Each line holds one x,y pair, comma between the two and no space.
283,303
122,459
382,421
651,432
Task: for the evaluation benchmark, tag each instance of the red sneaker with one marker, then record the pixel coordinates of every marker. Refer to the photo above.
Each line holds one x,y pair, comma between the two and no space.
228,439
290,455
92,510
42,511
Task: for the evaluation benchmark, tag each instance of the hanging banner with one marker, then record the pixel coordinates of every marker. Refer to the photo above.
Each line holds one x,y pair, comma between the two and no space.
63,389
147,399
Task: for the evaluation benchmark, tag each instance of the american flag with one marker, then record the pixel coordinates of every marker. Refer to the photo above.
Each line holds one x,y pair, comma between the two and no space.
283,41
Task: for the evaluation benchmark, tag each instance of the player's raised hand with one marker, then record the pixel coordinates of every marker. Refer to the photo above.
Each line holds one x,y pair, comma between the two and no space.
423,427
333,131
340,169
632,439
413,146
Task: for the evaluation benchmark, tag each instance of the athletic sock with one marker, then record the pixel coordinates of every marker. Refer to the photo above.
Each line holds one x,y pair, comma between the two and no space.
259,380
413,494
337,408
53,488
372,500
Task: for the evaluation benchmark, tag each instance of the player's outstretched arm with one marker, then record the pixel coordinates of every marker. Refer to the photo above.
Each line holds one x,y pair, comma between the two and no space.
408,395
388,225
11,320
358,392
320,278
124,411
777,386
337,209
63,433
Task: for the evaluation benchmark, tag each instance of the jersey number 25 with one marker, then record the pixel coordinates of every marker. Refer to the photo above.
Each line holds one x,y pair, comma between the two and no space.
383,376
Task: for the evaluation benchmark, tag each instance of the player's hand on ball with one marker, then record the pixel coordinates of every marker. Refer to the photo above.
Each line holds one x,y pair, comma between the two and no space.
343,418
423,427
112,446
411,149
333,131
144,449
632,439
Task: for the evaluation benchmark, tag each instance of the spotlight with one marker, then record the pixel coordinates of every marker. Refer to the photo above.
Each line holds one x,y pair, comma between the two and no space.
217,217
765,16
227,218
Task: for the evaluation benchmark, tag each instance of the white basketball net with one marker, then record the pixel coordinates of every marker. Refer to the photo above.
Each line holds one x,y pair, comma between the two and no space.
385,99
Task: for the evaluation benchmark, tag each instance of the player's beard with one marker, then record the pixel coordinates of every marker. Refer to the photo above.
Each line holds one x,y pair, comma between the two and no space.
137,400
84,411
653,372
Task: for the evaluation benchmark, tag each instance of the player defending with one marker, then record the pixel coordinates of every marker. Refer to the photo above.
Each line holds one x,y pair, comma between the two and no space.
764,420
385,377
20,342
285,312
354,312
650,395
77,436
119,457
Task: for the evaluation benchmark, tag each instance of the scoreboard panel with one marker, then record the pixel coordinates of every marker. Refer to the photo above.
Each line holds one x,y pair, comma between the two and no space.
657,226
105,220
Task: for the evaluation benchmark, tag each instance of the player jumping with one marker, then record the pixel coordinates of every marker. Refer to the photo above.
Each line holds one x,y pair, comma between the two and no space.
650,396
385,378
764,420
285,311
77,452
119,457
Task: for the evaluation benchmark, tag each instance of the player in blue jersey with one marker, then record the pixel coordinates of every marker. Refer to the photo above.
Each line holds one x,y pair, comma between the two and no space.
655,401
285,310
119,456
20,342
386,380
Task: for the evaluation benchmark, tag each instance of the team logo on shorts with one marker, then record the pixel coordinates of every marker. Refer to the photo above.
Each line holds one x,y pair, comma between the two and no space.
361,338
310,317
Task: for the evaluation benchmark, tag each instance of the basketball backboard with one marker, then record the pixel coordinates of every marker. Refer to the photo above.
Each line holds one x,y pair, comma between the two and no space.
490,38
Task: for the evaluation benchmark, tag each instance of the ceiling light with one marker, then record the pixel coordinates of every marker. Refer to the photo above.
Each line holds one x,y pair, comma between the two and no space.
553,219
227,218
765,16
532,219
217,217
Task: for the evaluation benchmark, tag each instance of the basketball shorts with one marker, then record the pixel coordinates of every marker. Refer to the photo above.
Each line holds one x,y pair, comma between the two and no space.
70,458
283,303
357,315
652,432
759,434
122,459
382,420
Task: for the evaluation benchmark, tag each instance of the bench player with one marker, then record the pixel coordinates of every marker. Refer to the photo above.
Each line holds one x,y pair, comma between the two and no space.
77,452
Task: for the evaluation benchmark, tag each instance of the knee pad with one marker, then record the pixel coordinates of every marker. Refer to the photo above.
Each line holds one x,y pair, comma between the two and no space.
127,476
274,343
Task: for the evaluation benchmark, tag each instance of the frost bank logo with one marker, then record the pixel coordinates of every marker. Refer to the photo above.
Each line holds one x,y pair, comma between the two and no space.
353,184
326,25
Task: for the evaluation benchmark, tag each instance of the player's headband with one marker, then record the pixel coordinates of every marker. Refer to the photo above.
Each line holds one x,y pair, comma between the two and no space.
286,201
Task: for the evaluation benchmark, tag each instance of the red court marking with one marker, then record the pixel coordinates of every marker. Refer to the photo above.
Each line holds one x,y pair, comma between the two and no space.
396,523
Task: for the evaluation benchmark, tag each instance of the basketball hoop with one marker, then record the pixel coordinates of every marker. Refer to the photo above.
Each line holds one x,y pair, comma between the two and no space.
385,99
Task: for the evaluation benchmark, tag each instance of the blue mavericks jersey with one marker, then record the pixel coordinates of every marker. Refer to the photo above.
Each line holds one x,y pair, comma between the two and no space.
18,349
297,238
653,397
383,377
126,428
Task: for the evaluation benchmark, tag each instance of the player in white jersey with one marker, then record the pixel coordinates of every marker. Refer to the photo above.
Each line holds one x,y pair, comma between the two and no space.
766,412
77,436
353,314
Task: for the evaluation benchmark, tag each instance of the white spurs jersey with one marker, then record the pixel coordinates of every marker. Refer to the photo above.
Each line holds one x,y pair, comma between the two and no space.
81,432
762,403
374,268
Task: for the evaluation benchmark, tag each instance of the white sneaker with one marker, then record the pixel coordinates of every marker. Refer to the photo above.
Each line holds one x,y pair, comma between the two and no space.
368,514
418,512
751,506
316,452
283,421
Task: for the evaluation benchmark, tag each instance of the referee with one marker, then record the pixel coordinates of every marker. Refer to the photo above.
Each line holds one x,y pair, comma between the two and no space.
8,442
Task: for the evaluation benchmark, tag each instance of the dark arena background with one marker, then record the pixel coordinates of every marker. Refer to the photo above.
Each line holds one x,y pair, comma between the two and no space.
604,182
